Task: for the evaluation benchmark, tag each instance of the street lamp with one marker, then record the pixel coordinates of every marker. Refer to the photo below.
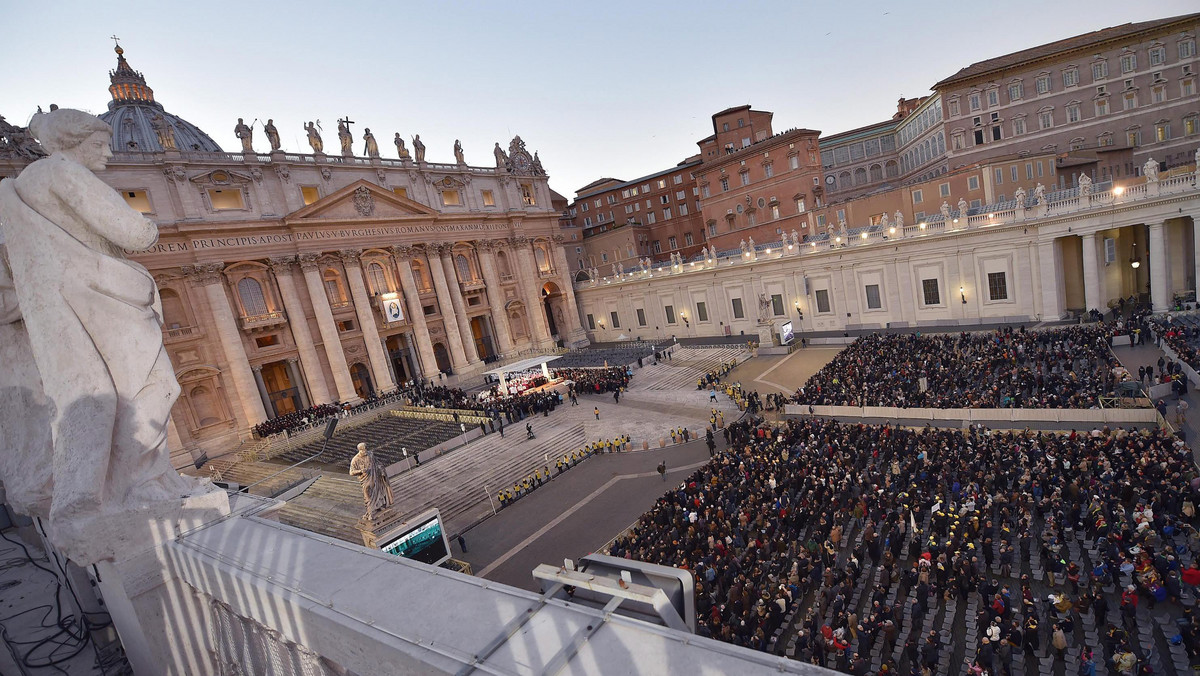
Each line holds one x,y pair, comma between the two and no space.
963,293
799,312
1134,262
684,317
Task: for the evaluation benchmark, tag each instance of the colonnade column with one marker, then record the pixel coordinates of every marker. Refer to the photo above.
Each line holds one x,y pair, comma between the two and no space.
1160,291
297,321
460,308
293,368
573,328
329,333
528,272
1093,298
495,294
408,286
209,275
458,358
262,389
384,383
1196,250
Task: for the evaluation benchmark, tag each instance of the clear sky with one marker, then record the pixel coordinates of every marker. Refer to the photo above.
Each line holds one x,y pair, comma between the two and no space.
617,89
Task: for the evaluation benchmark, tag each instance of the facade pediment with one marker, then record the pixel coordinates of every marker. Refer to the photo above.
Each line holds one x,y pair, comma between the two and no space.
361,200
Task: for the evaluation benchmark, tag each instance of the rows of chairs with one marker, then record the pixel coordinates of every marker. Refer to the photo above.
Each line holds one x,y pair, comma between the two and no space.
386,438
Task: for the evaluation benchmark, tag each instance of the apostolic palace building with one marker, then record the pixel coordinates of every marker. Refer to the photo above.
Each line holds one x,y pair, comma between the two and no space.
1022,188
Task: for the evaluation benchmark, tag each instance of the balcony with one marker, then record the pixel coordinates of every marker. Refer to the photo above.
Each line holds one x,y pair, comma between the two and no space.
181,334
472,285
263,321
548,273
506,278
341,307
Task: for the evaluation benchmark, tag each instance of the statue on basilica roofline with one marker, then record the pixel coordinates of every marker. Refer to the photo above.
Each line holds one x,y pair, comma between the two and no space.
458,153
87,384
418,148
537,165
1039,194
314,138
1019,196
899,221
245,134
501,158
962,208
401,150
371,149
272,135
345,138
945,209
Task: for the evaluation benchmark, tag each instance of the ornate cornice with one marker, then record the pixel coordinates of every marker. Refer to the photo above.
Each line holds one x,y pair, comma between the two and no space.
309,261
440,248
282,265
404,251
518,241
204,273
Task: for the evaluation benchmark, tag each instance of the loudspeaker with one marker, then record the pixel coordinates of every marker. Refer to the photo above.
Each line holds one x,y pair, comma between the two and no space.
330,427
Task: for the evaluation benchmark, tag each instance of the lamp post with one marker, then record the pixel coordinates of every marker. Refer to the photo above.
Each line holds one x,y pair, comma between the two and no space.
963,294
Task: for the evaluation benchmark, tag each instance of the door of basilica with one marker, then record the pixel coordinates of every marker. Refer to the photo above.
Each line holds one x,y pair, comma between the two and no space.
361,376
284,394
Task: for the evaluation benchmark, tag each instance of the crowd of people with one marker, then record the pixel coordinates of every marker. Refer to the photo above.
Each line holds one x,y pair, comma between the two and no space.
539,477
1068,367
296,419
1180,337
714,376
596,380
840,518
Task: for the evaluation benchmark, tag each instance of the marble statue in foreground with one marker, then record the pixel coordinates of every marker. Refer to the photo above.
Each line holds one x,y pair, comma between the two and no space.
88,387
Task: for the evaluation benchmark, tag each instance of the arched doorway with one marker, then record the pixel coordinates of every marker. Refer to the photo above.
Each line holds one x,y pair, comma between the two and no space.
401,356
481,331
442,357
552,299
361,376
283,392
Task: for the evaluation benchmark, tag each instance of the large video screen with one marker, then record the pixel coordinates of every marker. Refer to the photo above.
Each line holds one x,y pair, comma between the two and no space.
424,542
785,334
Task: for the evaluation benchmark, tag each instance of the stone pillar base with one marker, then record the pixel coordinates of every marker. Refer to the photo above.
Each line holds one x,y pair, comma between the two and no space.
382,522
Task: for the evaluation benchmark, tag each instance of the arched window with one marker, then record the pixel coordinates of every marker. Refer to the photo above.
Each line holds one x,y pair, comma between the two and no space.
891,169
174,316
844,180
251,294
540,255
876,173
333,287
860,176
464,268
377,278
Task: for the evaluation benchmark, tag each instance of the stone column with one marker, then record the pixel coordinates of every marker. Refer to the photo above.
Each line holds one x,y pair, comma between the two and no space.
460,308
209,276
1160,273
329,333
495,293
408,286
574,329
1093,298
384,383
1196,248
458,358
298,322
528,273
293,367
262,390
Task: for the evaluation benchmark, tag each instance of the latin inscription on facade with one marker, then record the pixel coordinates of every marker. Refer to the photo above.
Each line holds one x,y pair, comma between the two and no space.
312,236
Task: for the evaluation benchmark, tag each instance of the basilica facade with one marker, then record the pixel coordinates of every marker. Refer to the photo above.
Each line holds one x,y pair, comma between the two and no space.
293,279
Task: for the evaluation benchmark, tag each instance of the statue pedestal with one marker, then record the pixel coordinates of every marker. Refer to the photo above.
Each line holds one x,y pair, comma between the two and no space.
766,333
383,521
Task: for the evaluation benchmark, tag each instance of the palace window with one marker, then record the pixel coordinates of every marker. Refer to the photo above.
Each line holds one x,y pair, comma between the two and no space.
528,199
641,315
616,322
1043,84
1158,56
225,199
1099,70
738,312
1187,49
669,311
1014,91
138,200
1070,77
1128,63
451,198
929,289
309,193
376,278
701,312
822,296
873,300
489,199
997,286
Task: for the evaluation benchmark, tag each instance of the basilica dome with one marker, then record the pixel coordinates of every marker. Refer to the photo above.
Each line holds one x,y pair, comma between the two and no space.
140,124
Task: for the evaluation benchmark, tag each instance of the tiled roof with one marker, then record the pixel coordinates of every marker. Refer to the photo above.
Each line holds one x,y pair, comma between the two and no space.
1060,46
